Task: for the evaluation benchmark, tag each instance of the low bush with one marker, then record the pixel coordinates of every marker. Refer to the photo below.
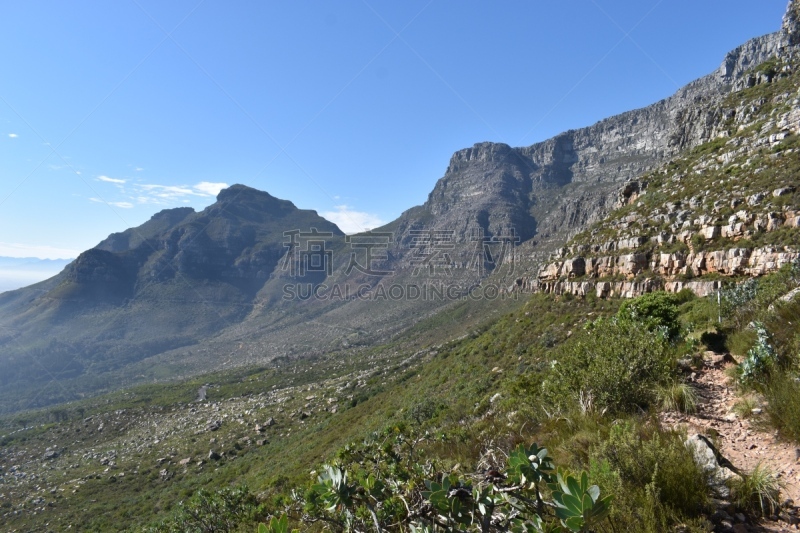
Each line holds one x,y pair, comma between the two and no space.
643,454
782,393
760,359
657,311
221,511
614,366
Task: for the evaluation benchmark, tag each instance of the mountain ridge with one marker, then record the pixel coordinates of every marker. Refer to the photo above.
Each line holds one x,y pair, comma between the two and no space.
184,278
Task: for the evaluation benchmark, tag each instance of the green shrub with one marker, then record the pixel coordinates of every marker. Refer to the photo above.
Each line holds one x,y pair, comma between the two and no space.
379,487
737,298
700,313
760,358
658,311
212,512
740,342
782,393
614,366
646,455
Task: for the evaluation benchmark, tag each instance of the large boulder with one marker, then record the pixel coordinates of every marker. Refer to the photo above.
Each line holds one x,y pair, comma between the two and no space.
720,471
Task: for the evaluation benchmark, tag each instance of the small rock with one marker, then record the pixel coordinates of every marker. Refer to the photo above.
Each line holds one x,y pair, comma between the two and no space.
755,199
789,519
213,456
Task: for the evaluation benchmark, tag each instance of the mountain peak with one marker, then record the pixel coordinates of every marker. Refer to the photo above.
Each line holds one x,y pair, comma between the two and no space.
238,191
235,190
240,198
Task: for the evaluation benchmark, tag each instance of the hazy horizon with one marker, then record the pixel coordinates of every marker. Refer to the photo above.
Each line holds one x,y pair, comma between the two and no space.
18,272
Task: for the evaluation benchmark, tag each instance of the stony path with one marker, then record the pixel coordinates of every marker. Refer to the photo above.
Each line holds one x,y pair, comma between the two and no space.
741,440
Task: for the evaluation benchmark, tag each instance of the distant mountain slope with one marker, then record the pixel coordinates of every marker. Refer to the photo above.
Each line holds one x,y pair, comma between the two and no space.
190,292
177,279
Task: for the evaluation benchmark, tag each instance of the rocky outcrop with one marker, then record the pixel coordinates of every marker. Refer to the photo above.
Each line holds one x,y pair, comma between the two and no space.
744,224
790,30
617,289
731,262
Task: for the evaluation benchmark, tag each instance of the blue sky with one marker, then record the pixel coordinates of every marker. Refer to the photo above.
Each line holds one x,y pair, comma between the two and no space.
112,111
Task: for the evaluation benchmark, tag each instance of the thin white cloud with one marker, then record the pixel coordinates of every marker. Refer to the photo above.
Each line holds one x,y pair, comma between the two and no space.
111,180
13,135
165,194
136,193
122,205
209,188
10,249
351,221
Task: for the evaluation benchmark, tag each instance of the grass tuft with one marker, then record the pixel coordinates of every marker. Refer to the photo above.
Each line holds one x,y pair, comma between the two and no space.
745,405
677,396
757,492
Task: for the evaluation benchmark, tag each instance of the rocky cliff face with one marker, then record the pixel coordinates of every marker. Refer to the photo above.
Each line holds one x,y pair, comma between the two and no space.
550,190
790,30
728,207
